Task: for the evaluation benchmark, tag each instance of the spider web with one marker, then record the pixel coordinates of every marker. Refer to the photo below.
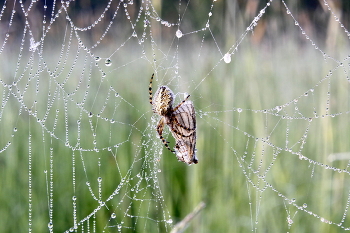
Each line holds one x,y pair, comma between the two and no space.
79,150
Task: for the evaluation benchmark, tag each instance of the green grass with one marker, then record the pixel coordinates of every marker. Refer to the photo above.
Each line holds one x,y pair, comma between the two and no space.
256,79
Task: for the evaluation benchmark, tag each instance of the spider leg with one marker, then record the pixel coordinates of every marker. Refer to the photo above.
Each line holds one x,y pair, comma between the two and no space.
150,89
160,128
179,105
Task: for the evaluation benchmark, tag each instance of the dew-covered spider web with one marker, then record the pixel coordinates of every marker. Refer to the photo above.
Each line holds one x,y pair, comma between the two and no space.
269,81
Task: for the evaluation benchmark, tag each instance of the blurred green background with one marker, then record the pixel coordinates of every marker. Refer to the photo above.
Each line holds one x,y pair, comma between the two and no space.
81,132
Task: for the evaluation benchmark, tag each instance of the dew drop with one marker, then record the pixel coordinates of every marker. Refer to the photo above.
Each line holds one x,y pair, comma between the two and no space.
179,33
97,58
113,215
227,58
108,62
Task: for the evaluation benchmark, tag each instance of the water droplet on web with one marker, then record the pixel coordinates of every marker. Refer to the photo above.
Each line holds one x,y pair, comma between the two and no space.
97,58
227,58
108,62
50,225
113,215
134,34
304,205
179,33
74,198
239,110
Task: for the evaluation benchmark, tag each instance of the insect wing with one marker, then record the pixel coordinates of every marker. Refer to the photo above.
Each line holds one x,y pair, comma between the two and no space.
185,133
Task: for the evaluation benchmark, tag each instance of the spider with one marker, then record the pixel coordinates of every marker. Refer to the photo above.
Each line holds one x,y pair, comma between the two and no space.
181,121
